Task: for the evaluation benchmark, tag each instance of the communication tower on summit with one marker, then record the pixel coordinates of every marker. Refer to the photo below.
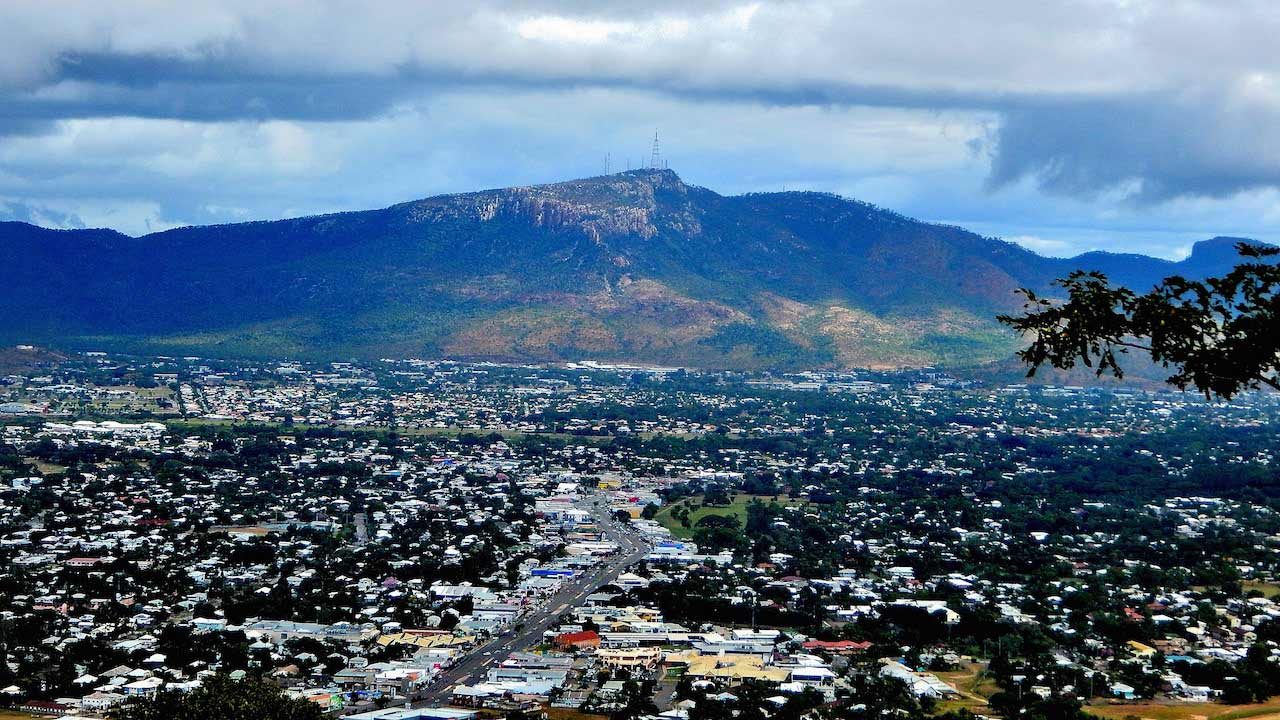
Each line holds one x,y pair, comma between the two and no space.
655,158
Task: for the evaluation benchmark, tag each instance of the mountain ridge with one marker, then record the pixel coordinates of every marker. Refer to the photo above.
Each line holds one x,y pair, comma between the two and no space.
635,266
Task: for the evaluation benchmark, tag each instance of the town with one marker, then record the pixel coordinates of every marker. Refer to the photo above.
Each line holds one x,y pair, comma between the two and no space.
431,539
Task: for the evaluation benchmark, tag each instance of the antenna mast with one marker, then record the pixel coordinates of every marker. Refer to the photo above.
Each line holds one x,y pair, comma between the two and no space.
655,159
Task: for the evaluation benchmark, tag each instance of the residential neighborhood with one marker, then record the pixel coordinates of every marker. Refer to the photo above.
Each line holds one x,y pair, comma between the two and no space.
440,540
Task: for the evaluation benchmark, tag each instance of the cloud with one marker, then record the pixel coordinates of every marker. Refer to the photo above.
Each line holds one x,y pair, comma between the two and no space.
462,140
1090,94
1099,106
43,216
1214,142
1045,246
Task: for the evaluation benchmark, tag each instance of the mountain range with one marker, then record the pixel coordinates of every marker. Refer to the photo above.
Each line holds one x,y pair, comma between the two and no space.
636,266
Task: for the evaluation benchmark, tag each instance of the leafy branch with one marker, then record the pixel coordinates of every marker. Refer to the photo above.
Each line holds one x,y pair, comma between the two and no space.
1220,335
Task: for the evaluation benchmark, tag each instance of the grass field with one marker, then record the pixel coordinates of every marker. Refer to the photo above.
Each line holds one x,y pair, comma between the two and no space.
44,467
159,391
1269,589
975,687
1187,711
562,714
737,508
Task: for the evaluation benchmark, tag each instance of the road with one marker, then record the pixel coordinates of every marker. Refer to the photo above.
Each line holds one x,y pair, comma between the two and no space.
528,631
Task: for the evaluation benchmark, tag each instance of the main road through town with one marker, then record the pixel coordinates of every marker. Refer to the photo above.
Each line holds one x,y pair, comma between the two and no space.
522,635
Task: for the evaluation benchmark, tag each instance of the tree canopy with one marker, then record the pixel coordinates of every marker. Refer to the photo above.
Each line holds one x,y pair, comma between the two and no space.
1220,335
221,698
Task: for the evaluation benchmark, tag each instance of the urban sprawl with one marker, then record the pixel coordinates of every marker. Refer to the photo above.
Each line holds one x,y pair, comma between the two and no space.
429,539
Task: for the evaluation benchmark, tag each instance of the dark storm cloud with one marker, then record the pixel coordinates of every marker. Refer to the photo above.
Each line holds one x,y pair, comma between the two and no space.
247,99
1153,101
211,89
19,123
1163,147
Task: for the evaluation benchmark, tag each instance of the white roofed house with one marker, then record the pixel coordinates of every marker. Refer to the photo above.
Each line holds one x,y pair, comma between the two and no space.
630,581
921,683
445,591
501,612
100,702
818,677
204,625
146,687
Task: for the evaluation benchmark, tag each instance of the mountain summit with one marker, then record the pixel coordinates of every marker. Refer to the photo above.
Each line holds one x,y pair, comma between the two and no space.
634,266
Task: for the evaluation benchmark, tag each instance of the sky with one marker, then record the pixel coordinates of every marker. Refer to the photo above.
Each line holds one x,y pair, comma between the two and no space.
1066,126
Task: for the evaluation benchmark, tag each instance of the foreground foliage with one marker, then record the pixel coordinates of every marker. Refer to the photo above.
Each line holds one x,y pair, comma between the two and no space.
1221,335
221,698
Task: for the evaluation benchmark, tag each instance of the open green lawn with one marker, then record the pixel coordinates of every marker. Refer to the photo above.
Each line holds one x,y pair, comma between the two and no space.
1269,589
45,469
975,686
1186,711
554,713
737,508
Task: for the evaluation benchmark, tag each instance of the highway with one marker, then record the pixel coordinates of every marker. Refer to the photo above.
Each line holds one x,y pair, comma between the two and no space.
528,631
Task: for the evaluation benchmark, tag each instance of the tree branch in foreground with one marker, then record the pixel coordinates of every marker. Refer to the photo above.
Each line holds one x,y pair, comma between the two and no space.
1220,335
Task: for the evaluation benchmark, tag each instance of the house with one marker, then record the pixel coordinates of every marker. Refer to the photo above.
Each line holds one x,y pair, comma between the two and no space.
631,581
207,625
45,707
577,640
1141,650
728,668
499,612
1124,692
815,676
415,714
611,689
146,687
630,658
836,647
921,683
278,631
100,702
354,678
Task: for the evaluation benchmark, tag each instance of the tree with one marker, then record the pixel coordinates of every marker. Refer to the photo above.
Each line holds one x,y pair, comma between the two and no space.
1220,335
635,701
718,531
221,698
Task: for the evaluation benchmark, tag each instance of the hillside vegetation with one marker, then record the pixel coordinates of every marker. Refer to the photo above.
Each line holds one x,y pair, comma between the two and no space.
636,266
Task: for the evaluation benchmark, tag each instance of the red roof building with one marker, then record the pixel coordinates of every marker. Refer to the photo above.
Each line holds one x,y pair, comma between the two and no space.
577,640
839,647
